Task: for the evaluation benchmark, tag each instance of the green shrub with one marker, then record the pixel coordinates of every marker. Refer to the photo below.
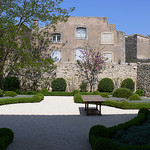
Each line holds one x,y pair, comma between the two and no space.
128,83
98,130
75,91
106,85
83,87
11,94
145,111
11,84
44,91
61,94
104,144
124,104
122,93
134,97
96,93
1,93
104,95
6,137
140,92
59,85
78,98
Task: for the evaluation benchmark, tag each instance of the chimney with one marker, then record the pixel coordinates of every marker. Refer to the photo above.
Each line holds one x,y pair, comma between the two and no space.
35,24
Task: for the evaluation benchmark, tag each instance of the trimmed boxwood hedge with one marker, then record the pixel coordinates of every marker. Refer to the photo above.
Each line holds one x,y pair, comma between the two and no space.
6,137
128,83
101,141
106,85
35,98
10,93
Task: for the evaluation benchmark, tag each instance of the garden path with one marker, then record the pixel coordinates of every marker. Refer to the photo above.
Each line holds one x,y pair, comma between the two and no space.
55,123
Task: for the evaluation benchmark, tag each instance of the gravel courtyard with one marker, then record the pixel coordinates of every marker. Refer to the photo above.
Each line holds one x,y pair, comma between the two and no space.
56,123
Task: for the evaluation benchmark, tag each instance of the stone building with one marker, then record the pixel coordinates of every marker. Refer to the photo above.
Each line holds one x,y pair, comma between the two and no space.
78,32
137,48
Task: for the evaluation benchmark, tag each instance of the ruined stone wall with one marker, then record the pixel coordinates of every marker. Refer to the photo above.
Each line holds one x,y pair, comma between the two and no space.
143,77
131,48
117,72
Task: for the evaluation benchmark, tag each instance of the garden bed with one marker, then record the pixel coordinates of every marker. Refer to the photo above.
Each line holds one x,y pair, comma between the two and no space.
102,138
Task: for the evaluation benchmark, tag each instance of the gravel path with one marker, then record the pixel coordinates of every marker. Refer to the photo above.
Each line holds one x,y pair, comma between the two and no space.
56,123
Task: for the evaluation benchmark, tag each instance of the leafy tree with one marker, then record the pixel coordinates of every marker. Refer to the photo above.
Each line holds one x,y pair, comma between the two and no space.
91,63
16,49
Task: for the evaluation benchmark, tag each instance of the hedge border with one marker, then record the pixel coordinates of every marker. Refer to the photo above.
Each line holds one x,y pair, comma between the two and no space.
98,141
35,98
6,137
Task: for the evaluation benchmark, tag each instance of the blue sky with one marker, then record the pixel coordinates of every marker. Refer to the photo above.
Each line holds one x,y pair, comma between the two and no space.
130,16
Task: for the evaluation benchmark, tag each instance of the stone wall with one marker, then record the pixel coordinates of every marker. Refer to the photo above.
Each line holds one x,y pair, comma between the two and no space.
117,72
143,77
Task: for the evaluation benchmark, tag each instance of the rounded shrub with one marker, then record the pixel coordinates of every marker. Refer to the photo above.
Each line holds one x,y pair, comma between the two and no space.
1,93
11,84
75,91
144,111
128,83
106,85
11,93
124,104
98,130
140,92
122,93
59,85
134,97
44,91
104,144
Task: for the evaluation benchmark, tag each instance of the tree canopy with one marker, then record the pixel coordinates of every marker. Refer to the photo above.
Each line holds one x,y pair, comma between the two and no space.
16,17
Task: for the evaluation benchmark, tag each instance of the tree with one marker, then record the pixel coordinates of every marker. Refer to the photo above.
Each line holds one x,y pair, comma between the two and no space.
91,63
16,50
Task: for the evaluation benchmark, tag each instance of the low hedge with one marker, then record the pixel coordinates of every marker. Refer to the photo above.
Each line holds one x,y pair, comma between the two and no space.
126,105
10,93
6,137
35,98
101,141
60,94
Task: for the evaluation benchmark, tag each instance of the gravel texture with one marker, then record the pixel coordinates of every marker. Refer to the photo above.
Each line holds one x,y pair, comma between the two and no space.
56,123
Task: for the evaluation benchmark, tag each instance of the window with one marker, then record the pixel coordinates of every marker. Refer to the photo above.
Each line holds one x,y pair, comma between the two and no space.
78,54
56,55
81,32
108,56
107,38
56,37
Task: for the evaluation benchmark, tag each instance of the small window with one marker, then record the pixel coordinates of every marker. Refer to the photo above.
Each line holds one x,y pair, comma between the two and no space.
56,37
108,56
79,54
81,32
107,38
56,55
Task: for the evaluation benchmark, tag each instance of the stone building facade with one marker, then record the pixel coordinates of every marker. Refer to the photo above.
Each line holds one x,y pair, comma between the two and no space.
70,37
78,32
137,48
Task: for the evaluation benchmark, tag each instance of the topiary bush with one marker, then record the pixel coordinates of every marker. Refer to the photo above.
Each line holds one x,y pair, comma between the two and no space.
96,93
106,85
44,91
6,137
144,111
11,84
104,144
78,98
75,91
134,97
128,83
83,87
11,94
1,93
59,85
104,95
122,93
140,92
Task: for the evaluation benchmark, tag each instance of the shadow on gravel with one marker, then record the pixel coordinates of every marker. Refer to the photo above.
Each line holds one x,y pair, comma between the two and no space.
39,132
